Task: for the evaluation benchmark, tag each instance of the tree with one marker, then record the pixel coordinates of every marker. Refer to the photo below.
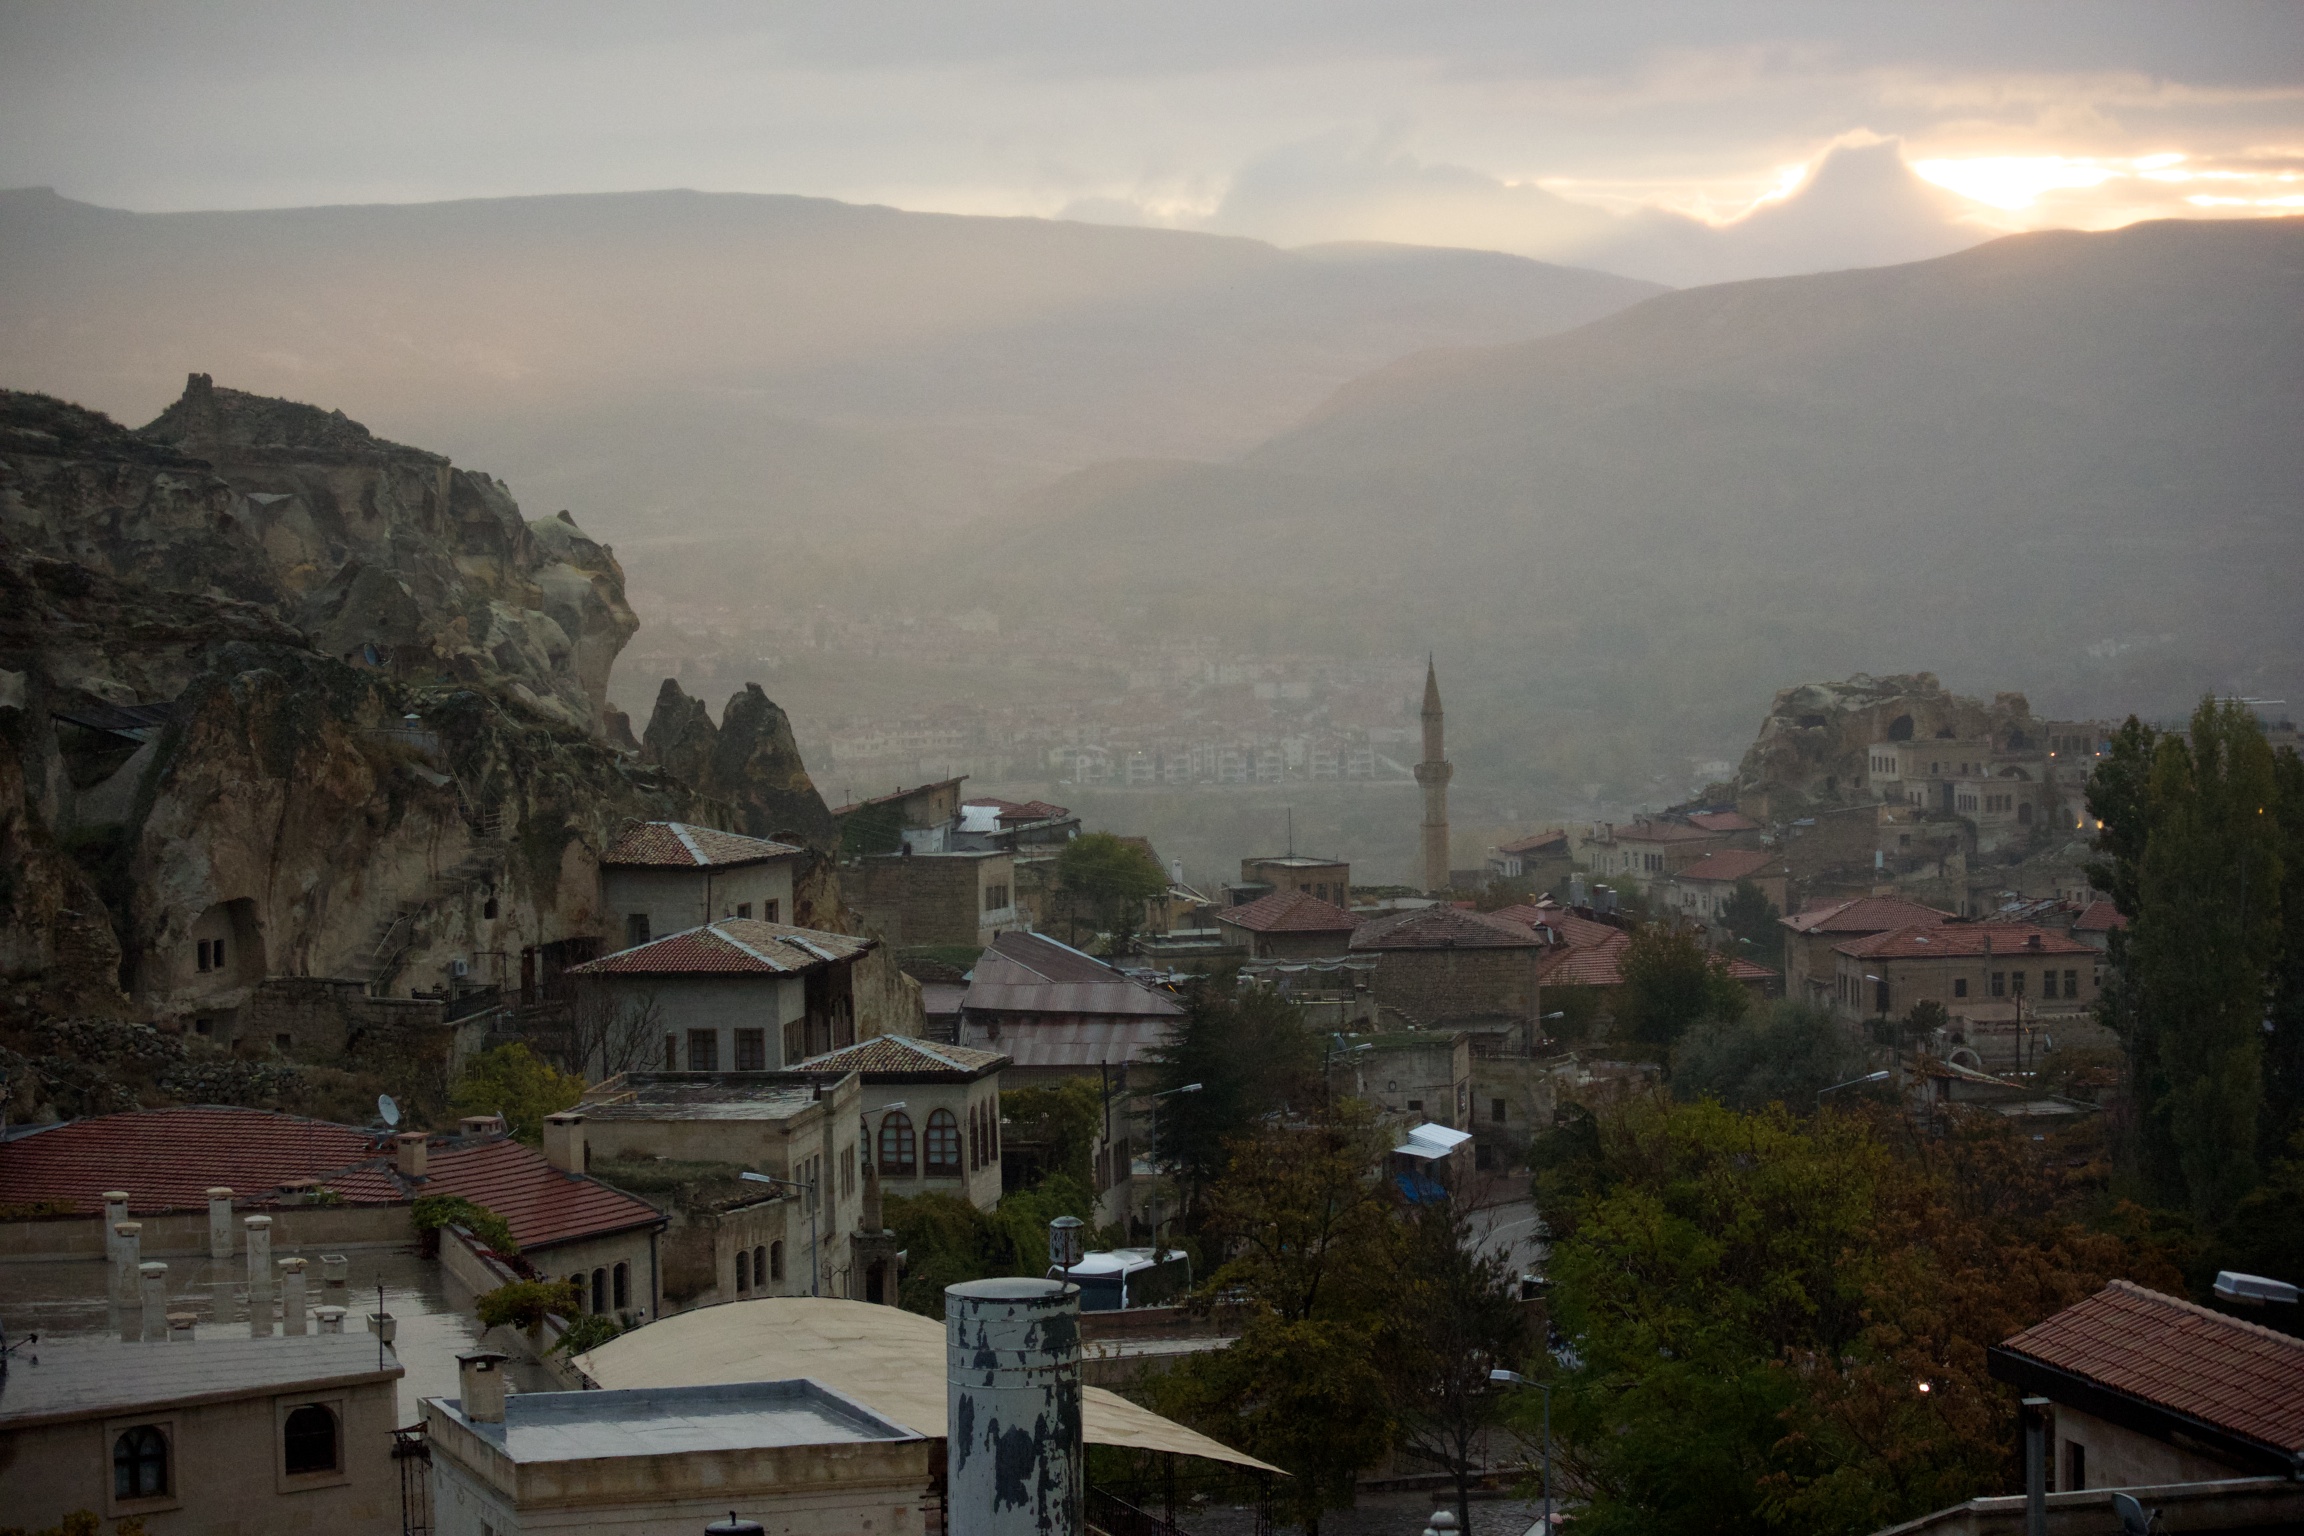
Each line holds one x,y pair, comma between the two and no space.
1756,922
1670,982
1251,1055
608,1035
1053,1130
516,1083
1305,1217
1112,878
1456,1319
1782,1055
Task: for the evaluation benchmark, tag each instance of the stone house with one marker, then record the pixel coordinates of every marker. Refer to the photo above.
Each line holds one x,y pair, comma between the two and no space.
1644,851
793,1455
923,819
1983,973
2148,1391
1329,880
917,898
1539,861
932,1113
1287,925
1701,891
1055,1012
661,877
1446,967
1409,1078
290,1434
802,1127
1810,967
740,994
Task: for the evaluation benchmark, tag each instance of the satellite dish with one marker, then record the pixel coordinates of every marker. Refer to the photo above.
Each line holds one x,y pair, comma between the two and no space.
386,1110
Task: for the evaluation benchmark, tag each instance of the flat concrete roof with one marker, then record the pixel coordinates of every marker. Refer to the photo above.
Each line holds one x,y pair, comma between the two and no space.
701,1096
666,1421
90,1378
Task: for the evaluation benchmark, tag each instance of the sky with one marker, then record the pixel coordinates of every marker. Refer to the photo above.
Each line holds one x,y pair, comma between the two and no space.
1510,126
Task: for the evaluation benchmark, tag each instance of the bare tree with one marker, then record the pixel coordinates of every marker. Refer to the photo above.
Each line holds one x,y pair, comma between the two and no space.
608,1034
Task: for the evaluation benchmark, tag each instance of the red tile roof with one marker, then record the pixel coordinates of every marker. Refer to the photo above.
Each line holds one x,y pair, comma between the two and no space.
1601,965
1729,865
2100,917
1661,832
167,1158
678,845
1723,821
1865,914
902,1053
1289,912
2242,1378
1442,928
1556,838
734,946
1013,814
2006,941
544,1205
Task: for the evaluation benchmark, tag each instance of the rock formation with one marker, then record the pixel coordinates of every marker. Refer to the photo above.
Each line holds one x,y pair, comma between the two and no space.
1810,751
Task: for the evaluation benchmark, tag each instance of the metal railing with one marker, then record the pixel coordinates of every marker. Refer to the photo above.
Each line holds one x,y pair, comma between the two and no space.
1108,1513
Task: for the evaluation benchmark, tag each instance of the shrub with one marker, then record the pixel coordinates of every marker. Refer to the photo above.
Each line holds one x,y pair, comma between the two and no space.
525,1303
589,1331
432,1212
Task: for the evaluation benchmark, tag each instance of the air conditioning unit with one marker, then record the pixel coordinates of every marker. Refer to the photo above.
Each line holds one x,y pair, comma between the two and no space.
458,969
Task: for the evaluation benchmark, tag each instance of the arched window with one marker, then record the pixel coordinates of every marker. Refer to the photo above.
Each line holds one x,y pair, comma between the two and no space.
943,1145
775,1261
623,1286
743,1270
992,1118
897,1155
760,1269
600,1289
140,1463
308,1441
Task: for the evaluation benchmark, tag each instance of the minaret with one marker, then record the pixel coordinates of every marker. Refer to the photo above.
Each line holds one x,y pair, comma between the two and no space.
1433,773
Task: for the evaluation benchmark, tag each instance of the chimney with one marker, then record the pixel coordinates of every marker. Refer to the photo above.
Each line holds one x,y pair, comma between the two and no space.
292,1297
482,1125
220,1222
331,1318
126,1255
480,1386
259,1276
408,1152
153,1278
564,1145
180,1326
335,1281
115,1212
1012,1383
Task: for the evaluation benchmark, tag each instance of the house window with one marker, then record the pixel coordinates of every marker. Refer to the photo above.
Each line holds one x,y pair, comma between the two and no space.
1959,986
743,1271
2075,1467
896,1144
744,909
623,1282
283,1043
1999,983
703,1050
1880,995
600,1289
635,930
760,1269
203,1026
751,1050
768,911
776,1261
995,897
671,1053
943,1145
308,1440
2016,982
2071,984
140,1463
1415,1106
1496,1111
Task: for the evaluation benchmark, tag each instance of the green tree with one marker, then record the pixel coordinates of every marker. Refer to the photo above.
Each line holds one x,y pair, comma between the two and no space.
1251,1055
1053,1130
1670,982
515,1082
1781,1055
1757,924
2284,1018
1456,1317
1112,878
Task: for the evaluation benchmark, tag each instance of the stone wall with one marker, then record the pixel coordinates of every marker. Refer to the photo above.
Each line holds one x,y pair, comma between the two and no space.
1433,987
921,899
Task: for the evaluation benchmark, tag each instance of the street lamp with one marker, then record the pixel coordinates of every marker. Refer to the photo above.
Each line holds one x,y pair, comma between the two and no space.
1515,1379
1870,1077
814,1274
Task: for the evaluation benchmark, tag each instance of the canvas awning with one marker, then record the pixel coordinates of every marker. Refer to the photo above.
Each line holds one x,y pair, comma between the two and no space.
889,1360
1432,1141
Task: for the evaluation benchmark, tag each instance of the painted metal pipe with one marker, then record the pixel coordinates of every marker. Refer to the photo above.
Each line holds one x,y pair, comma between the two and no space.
1012,1374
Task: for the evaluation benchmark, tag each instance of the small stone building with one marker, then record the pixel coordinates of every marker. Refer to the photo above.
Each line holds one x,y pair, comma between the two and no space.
912,899
662,877
740,994
1287,925
1444,966
932,1112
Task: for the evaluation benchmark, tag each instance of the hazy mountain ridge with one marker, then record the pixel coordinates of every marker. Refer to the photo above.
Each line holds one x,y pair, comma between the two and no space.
2061,462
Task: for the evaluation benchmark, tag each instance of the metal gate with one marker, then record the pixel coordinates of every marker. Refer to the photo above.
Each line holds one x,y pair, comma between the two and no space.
412,1454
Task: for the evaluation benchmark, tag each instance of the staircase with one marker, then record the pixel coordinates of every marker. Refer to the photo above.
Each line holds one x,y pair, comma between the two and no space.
482,866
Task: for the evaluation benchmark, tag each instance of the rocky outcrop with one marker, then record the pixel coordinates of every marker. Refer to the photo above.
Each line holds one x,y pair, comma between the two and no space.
1810,752
378,553
750,760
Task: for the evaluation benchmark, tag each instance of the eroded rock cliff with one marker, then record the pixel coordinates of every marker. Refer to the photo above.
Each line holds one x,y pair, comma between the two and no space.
1810,752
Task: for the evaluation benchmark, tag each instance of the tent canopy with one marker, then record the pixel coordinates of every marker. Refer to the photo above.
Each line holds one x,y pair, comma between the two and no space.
890,1360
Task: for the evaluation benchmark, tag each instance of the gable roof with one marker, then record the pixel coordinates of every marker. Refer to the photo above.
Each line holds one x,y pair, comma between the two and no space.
1032,973
1011,813
1443,927
1536,842
1661,832
1729,865
543,1204
2100,917
1044,958
1722,821
1565,924
733,946
1602,965
1865,914
681,845
1289,912
1936,941
904,1054
2237,1378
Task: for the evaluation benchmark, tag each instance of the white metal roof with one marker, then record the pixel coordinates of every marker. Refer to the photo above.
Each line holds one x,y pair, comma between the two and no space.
1431,1141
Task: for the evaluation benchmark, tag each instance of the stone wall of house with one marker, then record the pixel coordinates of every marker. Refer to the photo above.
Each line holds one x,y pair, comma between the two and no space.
920,899
1432,987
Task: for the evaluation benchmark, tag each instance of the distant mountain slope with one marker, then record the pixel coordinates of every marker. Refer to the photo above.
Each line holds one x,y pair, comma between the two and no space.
757,373
2064,461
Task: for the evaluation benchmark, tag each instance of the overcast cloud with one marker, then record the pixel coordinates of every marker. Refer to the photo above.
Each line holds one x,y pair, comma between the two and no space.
1559,131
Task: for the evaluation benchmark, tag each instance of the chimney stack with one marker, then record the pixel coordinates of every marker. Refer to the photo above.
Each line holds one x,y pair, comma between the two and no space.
126,1256
480,1386
335,1281
115,1212
180,1327
1012,1380
482,1125
259,1276
153,1278
292,1297
408,1153
564,1145
220,1222
331,1319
